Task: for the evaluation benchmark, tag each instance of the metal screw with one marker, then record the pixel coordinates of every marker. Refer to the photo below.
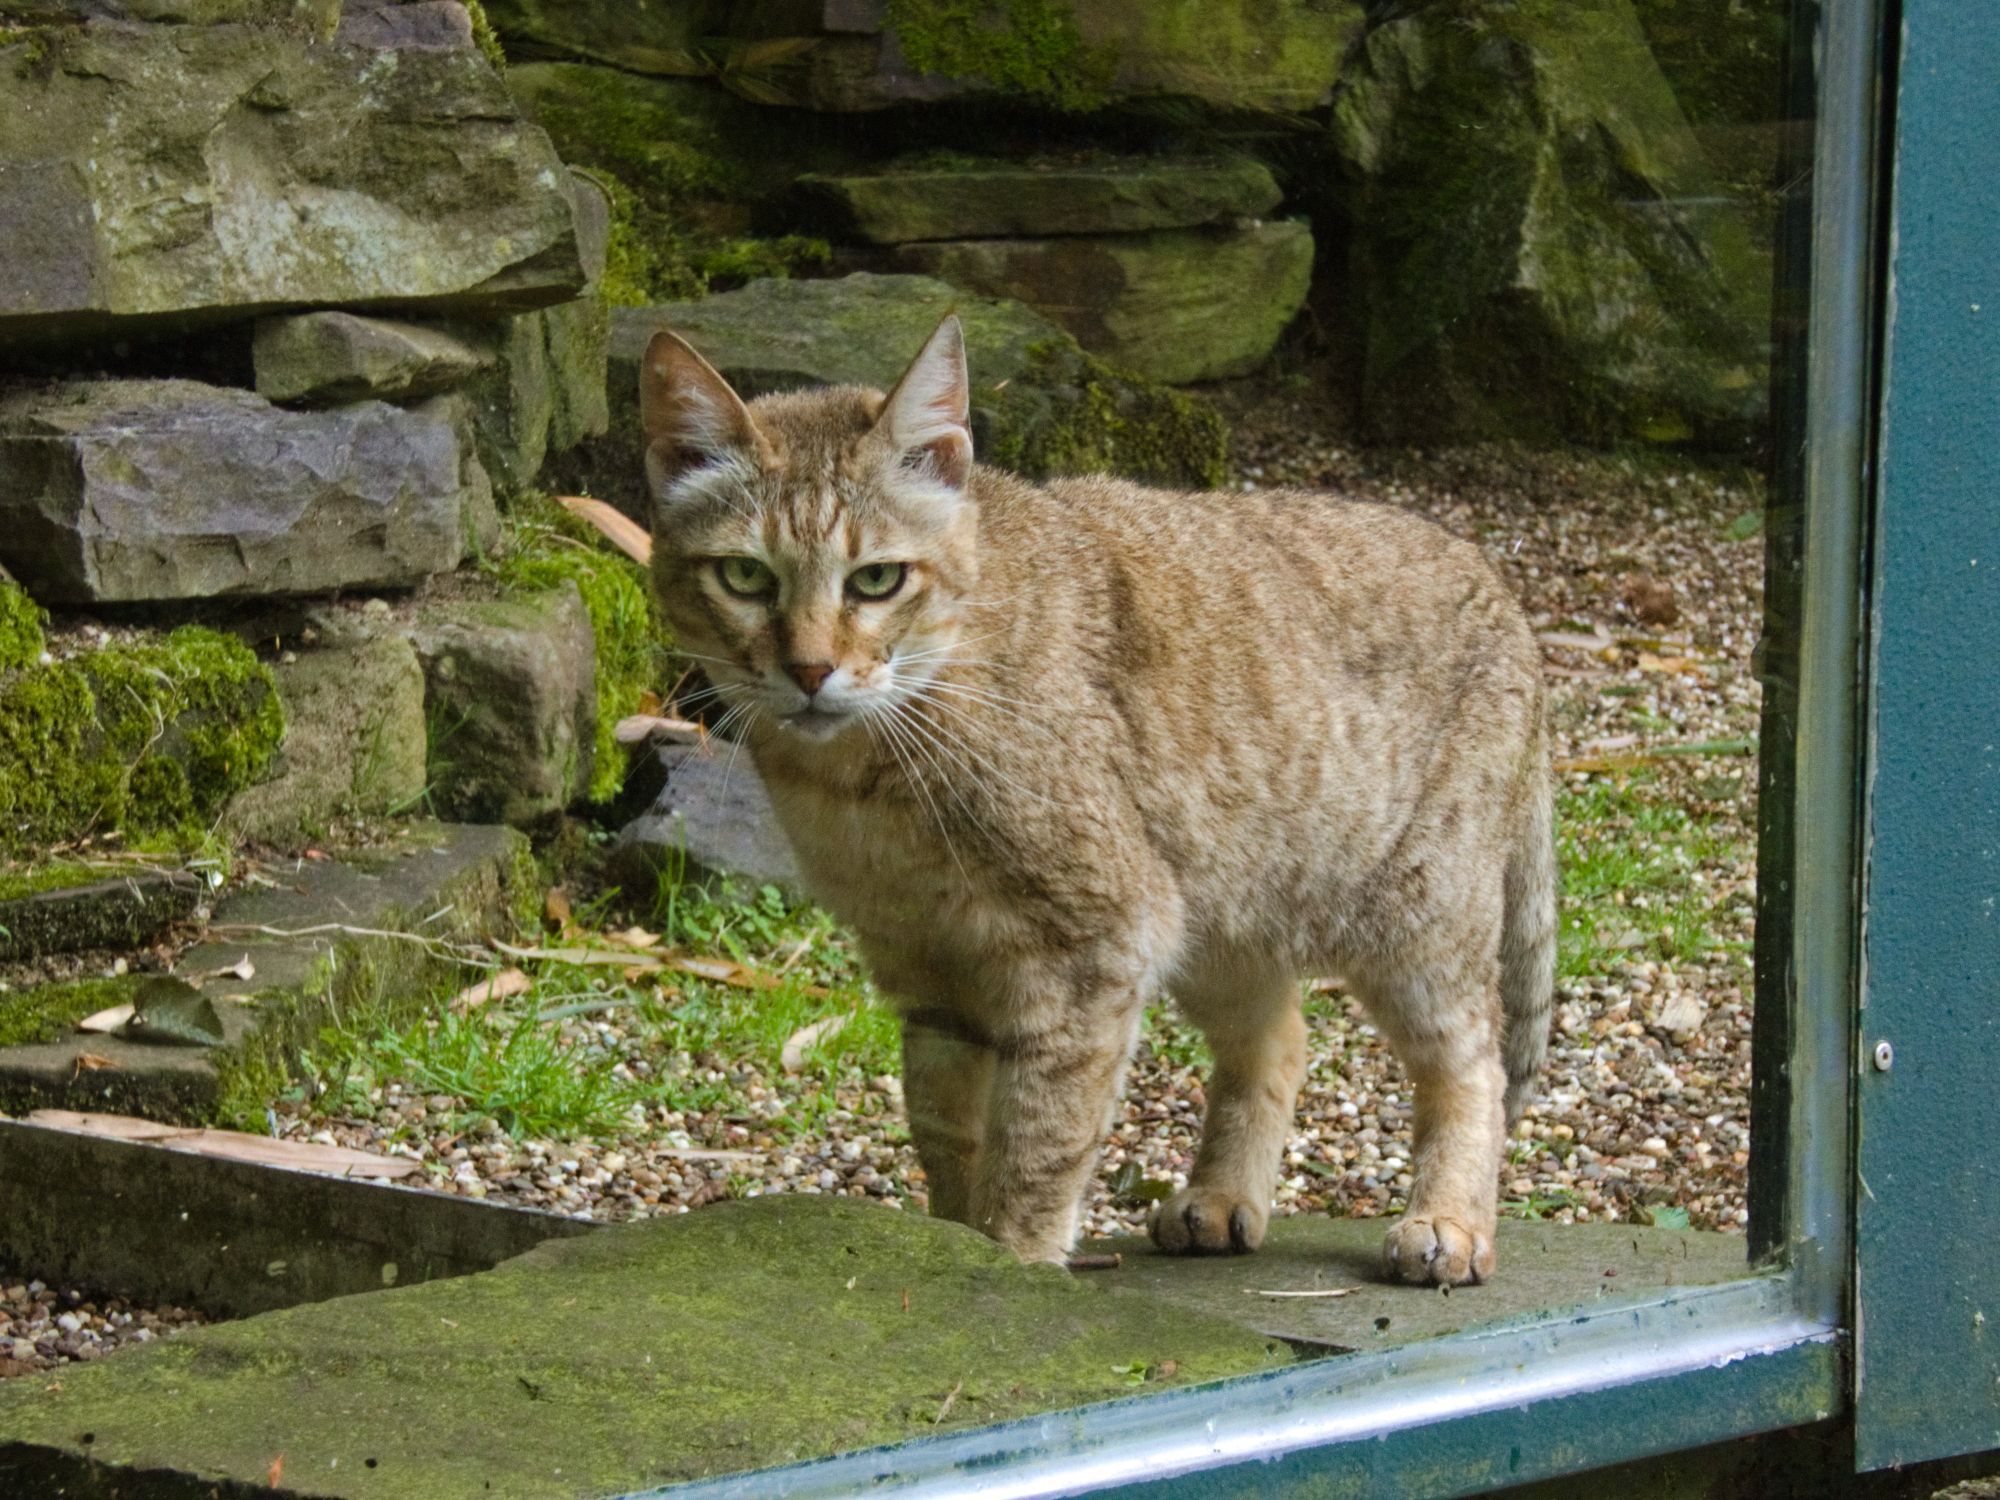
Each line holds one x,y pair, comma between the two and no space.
1885,1057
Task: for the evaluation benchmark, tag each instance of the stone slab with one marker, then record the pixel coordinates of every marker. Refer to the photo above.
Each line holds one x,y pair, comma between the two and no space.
1541,1266
325,358
313,941
1175,306
163,177
1001,199
124,490
355,742
122,911
712,819
731,1338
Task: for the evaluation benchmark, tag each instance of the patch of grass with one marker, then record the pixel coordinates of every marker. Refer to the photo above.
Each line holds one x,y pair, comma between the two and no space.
1170,1036
1629,854
1540,1205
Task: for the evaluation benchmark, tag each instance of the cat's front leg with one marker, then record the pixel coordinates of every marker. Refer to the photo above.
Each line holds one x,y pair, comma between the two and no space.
1051,1099
947,1080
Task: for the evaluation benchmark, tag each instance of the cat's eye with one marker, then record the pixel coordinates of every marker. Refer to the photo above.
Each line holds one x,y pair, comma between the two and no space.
745,577
876,580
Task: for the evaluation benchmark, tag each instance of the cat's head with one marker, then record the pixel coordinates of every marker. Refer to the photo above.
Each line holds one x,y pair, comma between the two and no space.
814,552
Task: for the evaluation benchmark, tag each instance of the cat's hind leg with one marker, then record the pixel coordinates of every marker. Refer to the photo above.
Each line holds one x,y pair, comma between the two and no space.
1250,1015
1445,1030
947,1081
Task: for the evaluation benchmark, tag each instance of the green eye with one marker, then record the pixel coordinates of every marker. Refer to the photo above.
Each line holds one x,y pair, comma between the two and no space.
745,576
877,580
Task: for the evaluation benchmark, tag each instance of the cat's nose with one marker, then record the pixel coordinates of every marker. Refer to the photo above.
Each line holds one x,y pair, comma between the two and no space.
809,674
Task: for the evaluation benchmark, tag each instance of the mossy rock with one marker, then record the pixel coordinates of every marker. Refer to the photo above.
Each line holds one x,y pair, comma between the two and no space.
69,908
21,621
151,738
1541,250
733,1338
42,1013
1173,305
1040,405
988,199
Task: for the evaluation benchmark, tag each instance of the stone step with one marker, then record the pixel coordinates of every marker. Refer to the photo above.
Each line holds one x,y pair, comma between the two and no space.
73,908
365,931
748,1335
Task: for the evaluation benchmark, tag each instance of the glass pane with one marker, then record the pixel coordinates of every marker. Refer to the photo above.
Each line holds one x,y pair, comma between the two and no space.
364,799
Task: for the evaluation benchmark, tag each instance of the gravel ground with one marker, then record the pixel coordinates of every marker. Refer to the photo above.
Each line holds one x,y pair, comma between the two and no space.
43,1328
1650,609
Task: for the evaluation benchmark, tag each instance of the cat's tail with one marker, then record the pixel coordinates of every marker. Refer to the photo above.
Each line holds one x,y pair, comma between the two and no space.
1528,943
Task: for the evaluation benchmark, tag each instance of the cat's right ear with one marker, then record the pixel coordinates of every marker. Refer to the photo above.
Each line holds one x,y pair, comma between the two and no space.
928,415
690,416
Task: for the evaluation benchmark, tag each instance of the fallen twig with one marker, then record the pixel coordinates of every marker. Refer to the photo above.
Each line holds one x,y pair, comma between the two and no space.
1109,1262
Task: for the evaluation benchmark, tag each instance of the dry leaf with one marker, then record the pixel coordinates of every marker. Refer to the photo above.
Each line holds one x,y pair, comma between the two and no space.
636,728
1600,763
124,1127
633,937
106,1020
650,702
792,1057
1332,1291
501,986
1651,663
276,1473
90,1062
241,969
556,906
1599,639
236,1145
619,529
584,957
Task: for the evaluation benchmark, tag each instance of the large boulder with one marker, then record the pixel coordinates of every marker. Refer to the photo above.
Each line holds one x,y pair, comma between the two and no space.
166,176
324,358
318,15
1069,54
989,199
638,35
122,490
1175,305
1540,248
1040,405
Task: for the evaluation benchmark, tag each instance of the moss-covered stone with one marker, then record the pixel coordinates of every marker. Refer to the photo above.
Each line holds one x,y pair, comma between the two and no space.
151,738
1176,305
730,1339
44,1012
21,620
1541,250
1040,405
69,908
1027,48
631,640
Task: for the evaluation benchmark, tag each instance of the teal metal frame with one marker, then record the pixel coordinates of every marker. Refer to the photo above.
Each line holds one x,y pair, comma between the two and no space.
1618,1380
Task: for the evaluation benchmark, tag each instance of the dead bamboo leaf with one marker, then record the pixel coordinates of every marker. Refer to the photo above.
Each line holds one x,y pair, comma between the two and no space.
636,728
634,937
1599,639
123,1127
950,1396
501,986
584,957
792,1057
1332,1291
90,1062
617,528
106,1021
1648,662
236,1145
275,1475
241,969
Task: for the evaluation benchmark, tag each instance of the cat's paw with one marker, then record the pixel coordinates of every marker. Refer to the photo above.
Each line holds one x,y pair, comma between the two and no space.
1445,1251
1209,1221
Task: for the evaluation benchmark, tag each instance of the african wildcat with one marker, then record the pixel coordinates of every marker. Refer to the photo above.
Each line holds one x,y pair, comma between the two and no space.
1051,750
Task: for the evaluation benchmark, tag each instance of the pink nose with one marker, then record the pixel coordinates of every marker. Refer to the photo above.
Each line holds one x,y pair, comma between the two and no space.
809,674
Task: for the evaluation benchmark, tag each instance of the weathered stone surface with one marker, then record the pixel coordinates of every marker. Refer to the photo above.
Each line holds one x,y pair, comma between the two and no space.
1540,249
315,15
354,741
324,358
1071,54
641,35
1176,305
169,176
166,489
996,199
100,908
713,818
448,882
634,1356
1039,404
512,694
412,25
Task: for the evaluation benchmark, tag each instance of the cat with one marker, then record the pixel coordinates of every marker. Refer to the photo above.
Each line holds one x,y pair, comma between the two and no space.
1051,750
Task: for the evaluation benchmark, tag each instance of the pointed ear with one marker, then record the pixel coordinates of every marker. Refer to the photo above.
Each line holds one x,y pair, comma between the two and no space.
690,415
926,417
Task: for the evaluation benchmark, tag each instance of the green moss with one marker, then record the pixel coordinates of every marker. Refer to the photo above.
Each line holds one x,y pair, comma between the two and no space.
1030,48
49,1011
1102,421
152,737
483,34
21,622
543,553
17,881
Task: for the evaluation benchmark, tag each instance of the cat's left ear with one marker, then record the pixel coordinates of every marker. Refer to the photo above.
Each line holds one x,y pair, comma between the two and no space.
928,415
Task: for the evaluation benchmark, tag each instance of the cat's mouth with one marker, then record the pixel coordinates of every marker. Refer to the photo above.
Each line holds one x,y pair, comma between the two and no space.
816,723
